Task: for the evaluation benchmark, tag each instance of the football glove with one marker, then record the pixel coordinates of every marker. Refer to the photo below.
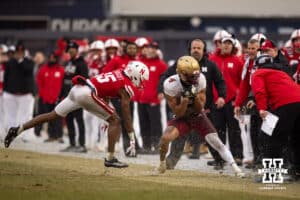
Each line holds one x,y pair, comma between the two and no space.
190,92
78,80
130,151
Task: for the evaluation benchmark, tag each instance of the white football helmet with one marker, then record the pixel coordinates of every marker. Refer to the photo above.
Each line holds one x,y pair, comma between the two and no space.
141,41
220,34
97,45
111,43
258,37
137,72
295,34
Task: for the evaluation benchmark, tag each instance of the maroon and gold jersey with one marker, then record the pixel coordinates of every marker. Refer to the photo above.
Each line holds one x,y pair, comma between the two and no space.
109,84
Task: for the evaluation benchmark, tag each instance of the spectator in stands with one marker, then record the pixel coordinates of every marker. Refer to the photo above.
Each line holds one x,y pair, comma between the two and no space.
292,52
75,66
49,82
231,67
111,49
39,60
141,43
217,39
93,124
245,101
148,102
18,88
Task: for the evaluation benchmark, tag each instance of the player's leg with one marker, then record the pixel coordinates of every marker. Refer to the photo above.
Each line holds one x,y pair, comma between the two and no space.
114,130
176,151
90,102
204,127
170,134
61,110
215,142
39,119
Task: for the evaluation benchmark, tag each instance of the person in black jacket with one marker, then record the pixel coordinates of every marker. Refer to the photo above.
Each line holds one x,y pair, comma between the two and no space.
197,49
75,66
18,88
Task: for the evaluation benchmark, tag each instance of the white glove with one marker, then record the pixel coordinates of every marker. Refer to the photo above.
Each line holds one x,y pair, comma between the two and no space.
131,152
162,167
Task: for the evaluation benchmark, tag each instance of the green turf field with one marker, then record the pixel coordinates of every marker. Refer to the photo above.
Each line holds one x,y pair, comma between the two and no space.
29,176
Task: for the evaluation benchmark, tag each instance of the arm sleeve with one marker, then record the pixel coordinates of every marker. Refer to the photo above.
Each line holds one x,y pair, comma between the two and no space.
218,81
170,71
243,93
83,70
111,65
259,90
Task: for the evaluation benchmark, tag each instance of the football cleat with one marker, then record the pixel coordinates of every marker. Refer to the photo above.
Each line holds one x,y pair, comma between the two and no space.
114,163
240,174
11,135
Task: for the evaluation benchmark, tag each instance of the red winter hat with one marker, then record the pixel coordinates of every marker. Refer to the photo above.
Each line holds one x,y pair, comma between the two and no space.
267,44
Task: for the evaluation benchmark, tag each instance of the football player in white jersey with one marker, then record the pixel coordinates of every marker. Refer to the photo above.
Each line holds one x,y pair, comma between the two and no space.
185,94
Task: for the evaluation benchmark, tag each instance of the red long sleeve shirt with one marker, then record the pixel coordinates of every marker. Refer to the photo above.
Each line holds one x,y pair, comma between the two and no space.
156,67
275,88
118,62
245,86
231,67
49,81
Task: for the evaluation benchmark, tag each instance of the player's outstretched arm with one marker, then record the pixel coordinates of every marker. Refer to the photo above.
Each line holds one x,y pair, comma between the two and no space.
126,115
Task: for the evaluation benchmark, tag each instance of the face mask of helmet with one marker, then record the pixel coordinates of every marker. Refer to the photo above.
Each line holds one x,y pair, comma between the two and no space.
190,79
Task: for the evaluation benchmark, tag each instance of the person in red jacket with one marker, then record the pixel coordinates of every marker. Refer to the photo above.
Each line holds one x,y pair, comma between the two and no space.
274,88
231,67
49,80
292,53
148,103
245,100
3,60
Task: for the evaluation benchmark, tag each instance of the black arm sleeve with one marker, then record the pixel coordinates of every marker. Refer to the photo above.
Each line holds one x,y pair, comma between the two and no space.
170,71
83,69
219,81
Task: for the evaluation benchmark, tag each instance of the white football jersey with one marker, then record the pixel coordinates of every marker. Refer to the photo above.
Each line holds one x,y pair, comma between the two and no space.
173,86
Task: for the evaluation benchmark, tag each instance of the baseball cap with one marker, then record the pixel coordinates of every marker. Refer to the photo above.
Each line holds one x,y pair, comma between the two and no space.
264,60
231,39
267,44
20,46
154,45
72,44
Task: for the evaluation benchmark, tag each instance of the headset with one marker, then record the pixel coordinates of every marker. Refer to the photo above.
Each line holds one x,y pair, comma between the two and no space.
197,39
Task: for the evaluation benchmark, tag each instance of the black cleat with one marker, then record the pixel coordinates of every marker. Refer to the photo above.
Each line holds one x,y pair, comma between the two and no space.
114,163
11,135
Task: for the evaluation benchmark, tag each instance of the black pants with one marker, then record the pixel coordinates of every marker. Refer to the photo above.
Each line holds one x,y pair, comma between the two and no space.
224,120
78,116
284,142
150,125
125,137
55,129
257,138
